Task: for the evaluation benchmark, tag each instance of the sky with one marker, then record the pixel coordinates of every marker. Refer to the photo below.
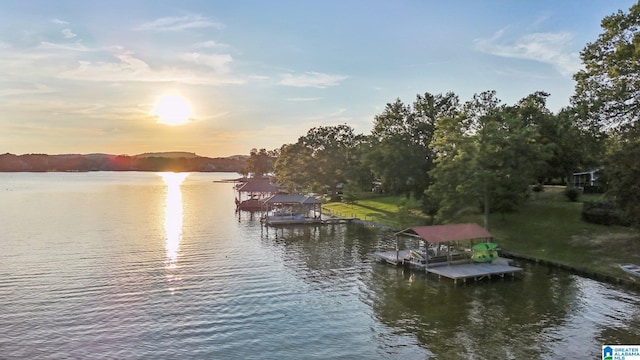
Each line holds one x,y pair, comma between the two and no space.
85,76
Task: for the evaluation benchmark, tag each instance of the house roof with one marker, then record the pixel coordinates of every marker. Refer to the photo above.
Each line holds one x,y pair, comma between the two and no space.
258,186
291,199
449,232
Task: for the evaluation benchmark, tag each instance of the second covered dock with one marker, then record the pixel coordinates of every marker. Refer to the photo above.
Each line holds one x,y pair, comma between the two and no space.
441,258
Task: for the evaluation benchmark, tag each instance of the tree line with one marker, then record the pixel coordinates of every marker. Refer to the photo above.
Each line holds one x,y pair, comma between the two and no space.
482,153
106,162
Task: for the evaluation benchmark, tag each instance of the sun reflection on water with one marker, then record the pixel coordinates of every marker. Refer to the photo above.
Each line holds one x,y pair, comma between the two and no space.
173,217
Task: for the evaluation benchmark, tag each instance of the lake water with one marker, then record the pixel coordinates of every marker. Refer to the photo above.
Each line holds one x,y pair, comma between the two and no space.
149,266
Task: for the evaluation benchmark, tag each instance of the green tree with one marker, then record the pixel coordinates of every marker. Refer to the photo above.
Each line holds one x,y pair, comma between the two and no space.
486,157
622,173
387,148
400,144
607,98
534,114
350,193
573,148
569,146
518,154
358,175
260,162
293,167
319,161
452,175
608,89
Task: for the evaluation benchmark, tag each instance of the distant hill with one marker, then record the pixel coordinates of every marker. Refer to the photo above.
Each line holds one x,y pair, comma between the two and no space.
164,161
170,154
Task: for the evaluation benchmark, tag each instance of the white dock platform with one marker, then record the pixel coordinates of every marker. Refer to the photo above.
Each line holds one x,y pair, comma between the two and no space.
455,271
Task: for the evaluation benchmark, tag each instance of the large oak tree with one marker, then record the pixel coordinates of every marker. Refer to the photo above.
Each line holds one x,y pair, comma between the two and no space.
608,98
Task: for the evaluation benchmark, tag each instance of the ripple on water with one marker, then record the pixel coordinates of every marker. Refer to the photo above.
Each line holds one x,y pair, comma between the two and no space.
99,280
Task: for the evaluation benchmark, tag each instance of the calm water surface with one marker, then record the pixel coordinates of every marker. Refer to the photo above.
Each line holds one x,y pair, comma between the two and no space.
159,266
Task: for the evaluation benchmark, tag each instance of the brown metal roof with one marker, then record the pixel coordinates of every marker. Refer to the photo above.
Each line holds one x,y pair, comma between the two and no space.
450,232
258,186
291,199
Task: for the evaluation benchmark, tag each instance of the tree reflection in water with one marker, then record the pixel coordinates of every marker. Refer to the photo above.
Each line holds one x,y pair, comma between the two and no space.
543,312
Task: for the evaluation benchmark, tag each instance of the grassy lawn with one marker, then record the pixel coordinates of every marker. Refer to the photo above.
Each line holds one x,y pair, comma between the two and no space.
547,227
379,209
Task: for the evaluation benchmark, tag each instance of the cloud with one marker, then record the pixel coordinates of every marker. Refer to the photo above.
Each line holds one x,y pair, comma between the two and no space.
36,89
217,62
113,65
68,34
178,23
59,22
209,44
129,68
312,79
72,47
548,48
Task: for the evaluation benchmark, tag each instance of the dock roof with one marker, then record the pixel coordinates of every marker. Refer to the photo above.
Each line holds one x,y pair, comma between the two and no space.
449,232
258,186
291,199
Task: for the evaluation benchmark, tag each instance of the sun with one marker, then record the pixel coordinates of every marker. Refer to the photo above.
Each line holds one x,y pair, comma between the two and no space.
172,110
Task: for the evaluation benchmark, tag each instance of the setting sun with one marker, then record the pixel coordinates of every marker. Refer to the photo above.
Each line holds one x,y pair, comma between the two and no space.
172,110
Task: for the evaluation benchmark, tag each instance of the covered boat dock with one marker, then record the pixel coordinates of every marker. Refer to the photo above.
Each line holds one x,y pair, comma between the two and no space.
252,191
286,209
441,258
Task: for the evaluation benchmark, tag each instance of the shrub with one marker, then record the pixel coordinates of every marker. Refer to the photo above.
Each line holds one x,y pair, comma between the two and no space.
572,193
592,189
602,212
597,215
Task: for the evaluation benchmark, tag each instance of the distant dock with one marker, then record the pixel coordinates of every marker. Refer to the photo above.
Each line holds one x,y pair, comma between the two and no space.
462,270
298,220
338,220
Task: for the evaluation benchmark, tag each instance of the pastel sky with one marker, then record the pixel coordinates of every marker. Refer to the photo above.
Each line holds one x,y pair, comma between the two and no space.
83,76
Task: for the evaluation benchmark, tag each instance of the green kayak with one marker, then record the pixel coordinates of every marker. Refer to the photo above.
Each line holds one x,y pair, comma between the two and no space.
482,256
485,246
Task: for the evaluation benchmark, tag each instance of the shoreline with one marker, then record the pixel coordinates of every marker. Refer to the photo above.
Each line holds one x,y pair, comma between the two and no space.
595,275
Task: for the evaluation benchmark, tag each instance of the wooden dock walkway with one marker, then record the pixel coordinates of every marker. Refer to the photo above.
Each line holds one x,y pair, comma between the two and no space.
292,220
455,270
